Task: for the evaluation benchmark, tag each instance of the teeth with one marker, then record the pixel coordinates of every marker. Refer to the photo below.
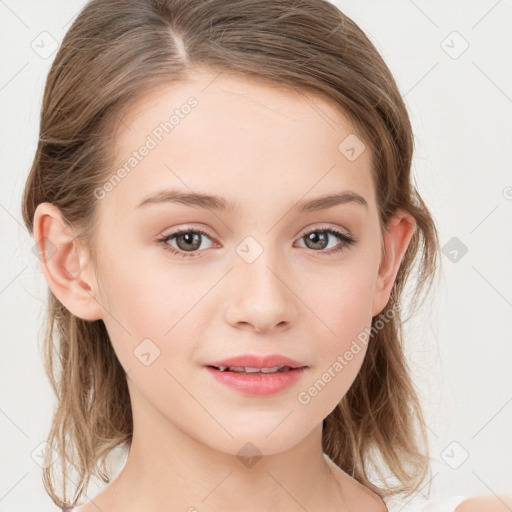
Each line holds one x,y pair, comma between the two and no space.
248,369
275,369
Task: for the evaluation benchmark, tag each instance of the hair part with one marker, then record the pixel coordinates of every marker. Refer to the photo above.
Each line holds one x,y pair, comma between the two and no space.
118,50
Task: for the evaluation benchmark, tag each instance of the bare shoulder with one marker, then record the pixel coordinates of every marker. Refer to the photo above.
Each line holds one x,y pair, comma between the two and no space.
487,503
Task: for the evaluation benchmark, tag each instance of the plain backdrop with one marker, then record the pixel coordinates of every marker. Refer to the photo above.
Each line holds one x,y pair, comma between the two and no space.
451,61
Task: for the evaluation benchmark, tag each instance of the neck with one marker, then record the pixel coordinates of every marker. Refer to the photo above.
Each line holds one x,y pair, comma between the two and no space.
167,469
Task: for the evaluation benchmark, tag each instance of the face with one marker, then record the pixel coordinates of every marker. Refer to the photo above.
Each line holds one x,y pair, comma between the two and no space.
254,272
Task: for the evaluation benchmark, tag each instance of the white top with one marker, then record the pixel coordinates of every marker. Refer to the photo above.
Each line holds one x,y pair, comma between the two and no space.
447,504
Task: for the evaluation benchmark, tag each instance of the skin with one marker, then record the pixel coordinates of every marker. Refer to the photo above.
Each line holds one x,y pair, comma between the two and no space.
488,503
266,148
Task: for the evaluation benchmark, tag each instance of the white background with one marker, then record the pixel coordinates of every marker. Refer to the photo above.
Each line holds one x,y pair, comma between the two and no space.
460,346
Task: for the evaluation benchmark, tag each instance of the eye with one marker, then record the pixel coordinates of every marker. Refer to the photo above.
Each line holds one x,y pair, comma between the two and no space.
318,240
187,240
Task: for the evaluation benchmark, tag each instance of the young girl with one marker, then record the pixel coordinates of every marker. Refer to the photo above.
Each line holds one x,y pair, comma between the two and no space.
222,202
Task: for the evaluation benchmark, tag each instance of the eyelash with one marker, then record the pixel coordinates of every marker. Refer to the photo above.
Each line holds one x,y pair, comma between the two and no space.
345,239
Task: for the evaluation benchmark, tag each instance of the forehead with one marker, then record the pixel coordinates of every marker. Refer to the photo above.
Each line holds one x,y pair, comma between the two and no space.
217,130
228,86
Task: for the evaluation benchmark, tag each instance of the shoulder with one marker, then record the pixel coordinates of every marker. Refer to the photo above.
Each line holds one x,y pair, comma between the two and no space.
488,503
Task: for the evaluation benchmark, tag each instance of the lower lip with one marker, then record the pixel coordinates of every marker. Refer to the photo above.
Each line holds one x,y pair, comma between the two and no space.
258,383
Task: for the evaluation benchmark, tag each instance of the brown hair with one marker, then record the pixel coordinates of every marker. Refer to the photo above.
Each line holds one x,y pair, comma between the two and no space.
115,51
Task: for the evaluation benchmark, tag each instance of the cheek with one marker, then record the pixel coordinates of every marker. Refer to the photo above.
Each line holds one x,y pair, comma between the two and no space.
339,359
154,311
342,304
342,307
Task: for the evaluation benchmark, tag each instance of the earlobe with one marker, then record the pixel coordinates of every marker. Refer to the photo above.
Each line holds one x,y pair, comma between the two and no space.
65,263
396,240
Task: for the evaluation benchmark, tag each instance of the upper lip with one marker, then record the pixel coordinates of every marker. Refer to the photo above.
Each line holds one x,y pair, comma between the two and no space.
255,361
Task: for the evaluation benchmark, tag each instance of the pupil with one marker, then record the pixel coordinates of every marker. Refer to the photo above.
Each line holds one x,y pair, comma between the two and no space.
317,238
190,238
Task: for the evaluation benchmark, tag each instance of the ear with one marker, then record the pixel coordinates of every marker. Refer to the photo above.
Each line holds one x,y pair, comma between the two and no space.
396,240
65,262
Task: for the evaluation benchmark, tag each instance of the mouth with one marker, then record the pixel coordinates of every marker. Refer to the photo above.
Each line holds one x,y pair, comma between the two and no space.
253,363
257,376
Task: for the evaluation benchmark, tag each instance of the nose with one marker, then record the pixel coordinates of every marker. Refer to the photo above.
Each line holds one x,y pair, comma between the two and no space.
261,298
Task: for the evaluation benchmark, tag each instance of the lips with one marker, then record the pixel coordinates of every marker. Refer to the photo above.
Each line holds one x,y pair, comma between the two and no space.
257,375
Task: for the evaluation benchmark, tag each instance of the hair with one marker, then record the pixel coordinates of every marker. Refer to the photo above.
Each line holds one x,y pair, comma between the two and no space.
118,50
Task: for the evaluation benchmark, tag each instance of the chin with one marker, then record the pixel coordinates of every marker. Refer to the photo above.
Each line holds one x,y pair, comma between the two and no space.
254,444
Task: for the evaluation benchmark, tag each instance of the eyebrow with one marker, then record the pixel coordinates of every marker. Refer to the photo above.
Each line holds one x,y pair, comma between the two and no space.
212,202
